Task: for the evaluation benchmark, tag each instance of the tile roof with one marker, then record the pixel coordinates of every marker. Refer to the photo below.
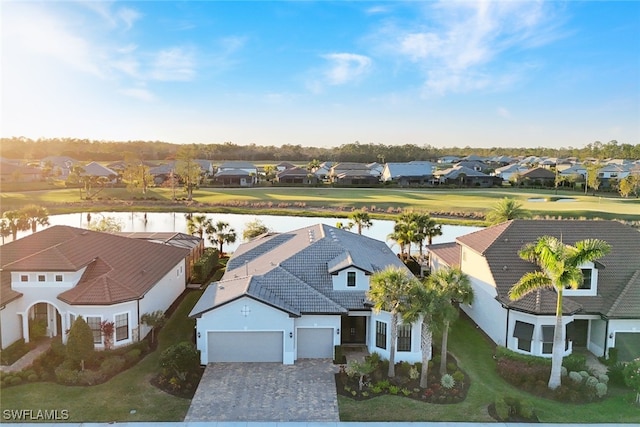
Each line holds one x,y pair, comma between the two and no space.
291,270
118,268
617,275
448,252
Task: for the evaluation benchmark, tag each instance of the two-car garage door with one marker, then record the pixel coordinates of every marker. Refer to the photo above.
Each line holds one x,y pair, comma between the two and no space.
263,346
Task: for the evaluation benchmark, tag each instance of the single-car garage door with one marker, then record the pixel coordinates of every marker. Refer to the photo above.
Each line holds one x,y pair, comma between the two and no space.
315,343
245,346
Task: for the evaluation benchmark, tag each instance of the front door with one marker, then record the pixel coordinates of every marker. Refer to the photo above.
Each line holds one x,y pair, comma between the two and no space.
580,332
354,330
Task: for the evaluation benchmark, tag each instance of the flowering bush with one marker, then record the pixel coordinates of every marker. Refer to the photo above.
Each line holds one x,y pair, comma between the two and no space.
632,377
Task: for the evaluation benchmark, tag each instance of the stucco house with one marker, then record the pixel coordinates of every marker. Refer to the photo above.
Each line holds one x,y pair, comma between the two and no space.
295,295
238,173
602,314
62,272
408,173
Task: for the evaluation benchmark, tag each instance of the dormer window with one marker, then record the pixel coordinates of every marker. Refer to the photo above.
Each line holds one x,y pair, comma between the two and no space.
589,283
24,277
58,277
351,279
41,278
586,279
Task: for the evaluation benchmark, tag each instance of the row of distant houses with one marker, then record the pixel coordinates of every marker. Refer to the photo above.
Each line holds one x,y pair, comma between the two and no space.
471,171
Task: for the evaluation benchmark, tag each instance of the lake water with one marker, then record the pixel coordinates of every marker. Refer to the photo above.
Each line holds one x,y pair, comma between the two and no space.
176,221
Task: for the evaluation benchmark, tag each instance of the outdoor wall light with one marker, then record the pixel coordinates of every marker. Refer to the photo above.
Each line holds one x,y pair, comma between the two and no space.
290,334
611,335
199,334
338,331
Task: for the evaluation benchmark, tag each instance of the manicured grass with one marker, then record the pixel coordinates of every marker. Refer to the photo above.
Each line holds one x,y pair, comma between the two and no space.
341,200
114,400
475,356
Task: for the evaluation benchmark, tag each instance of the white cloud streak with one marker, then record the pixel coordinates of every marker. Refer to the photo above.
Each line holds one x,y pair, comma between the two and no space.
456,43
345,67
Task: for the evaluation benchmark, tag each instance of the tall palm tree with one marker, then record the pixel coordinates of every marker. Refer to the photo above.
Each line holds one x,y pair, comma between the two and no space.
16,222
428,306
559,269
361,219
35,215
5,230
455,287
197,224
221,233
389,291
429,228
505,210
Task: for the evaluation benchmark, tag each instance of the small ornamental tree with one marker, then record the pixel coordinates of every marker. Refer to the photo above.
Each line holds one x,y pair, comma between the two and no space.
154,320
179,361
80,342
632,377
107,329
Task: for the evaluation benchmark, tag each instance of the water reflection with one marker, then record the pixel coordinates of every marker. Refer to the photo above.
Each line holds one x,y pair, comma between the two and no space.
176,221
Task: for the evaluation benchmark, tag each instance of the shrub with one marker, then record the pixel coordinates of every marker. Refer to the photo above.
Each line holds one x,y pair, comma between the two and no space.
204,266
447,381
132,355
90,377
15,380
80,341
37,328
615,373
563,371
575,377
584,374
180,360
601,390
452,367
458,376
414,374
613,356
14,352
67,376
112,365
374,358
526,409
394,389
339,357
575,362
502,409
592,381
603,378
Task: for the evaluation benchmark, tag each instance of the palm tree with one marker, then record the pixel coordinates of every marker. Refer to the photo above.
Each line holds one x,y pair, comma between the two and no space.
361,220
429,228
455,287
403,234
221,233
35,215
559,269
5,230
197,224
16,222
427,305
505,210
389,291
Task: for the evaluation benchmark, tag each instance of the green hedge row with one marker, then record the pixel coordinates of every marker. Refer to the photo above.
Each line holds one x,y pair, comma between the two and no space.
203,268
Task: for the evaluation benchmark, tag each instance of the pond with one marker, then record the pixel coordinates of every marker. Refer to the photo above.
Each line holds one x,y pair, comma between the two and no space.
176,221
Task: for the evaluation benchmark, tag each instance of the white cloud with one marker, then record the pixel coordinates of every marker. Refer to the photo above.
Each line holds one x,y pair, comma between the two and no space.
503,112
174,64
138,93
454,43
345,67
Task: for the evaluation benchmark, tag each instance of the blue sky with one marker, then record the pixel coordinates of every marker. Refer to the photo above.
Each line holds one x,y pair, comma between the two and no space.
478,74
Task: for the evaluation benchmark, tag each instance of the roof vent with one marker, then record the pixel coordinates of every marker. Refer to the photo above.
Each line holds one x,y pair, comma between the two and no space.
220,286
505,268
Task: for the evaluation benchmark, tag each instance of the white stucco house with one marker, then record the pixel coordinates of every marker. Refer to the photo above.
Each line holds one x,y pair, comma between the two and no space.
602,314
295,295
63,272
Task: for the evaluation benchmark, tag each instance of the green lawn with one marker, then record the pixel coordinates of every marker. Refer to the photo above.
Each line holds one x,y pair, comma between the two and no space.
469,201
114,400
474,354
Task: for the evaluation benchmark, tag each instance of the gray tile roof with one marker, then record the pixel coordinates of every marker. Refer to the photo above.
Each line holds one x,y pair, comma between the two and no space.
618,282
291,271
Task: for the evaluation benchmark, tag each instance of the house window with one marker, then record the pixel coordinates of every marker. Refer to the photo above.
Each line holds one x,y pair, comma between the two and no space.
41,278
547,339
404,337
24,277
586,278
381,334
94,325
58,277
122,326
524,333
351,279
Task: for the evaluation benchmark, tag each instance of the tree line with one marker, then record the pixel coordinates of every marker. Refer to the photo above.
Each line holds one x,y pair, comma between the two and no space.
92,150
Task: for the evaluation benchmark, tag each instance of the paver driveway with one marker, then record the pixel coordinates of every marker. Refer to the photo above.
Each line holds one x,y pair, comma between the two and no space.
305,391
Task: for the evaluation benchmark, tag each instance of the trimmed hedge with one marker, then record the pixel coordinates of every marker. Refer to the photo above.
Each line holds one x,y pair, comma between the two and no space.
203,268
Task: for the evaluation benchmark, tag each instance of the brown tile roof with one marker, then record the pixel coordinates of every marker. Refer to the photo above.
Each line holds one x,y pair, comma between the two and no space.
618,273
118,268
449,252
538,173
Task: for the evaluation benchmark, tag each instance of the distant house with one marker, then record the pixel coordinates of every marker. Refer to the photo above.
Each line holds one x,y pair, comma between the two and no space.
506,172
465,177
408,173
296,175
10,172
612,173
448,159
575,170
539,176
323,171
603,313
297,295
61,164
237,173
349,173
476,165
284,165
60,273
97,170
